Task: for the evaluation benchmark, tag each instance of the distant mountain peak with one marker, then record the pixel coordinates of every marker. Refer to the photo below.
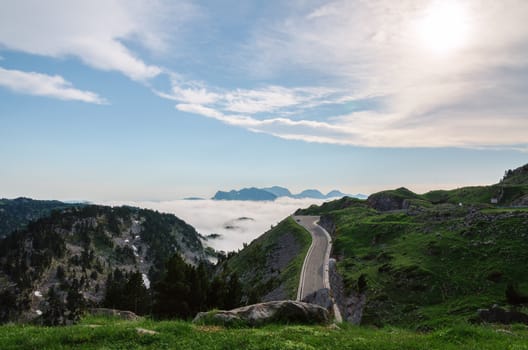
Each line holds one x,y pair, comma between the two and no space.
274,192
245,194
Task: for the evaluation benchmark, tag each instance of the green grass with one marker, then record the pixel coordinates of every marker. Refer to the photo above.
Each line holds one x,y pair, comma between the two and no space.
104,333
428,268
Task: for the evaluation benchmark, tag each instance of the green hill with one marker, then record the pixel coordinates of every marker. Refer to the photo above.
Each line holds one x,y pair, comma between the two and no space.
431,259
269,268
518,176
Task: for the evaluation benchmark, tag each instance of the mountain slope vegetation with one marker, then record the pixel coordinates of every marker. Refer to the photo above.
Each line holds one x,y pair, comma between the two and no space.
429,260
17,213
73,255
269,267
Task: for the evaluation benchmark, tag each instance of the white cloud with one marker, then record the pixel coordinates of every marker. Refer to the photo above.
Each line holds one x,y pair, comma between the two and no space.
277,99
93,31
471,96
45,85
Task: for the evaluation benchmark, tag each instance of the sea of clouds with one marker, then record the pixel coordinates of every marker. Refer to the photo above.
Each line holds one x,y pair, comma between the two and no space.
222,217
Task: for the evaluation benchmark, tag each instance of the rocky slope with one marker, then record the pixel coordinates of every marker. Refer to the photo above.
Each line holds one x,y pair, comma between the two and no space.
269,267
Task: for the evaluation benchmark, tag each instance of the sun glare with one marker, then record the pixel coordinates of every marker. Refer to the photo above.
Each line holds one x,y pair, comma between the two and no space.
444,27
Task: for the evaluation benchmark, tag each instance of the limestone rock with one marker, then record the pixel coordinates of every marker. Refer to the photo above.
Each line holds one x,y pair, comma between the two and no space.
320,297
125,315
500,315
284,311
385,201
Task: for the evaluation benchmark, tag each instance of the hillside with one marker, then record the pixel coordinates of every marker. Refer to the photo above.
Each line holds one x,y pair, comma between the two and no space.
77,248
16,213
269,267
429,260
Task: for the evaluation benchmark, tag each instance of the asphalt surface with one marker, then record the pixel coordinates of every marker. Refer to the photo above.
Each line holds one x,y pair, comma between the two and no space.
313,273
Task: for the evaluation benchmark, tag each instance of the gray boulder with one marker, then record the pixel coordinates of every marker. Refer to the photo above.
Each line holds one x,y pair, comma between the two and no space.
320,297
284,311
500,315
125,315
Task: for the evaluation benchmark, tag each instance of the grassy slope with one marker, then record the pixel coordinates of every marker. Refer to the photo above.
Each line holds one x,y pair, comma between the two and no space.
251,264
436,264
104,333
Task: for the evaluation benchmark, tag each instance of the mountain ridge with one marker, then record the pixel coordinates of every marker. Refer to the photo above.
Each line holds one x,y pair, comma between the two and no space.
274,192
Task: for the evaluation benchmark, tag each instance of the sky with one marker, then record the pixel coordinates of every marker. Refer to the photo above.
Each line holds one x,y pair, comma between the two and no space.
159,100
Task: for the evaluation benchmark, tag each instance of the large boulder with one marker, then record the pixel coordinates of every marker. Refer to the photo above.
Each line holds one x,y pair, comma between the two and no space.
125,315
284,311
499,315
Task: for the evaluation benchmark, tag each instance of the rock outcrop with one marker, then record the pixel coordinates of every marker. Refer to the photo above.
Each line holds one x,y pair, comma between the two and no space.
285,311
351,306
384,202
327,222
500,315
124,315
321,297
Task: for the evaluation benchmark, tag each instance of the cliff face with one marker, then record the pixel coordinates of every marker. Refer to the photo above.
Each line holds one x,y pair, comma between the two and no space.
269,268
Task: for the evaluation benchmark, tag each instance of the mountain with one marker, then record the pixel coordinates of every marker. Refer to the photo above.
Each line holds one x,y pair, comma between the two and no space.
310,194
430,260
245,194
335,193
83,249
274,192
339,194
16,213
278,191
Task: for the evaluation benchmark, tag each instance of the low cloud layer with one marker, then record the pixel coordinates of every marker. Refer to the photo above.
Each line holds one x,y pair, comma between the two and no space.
209,216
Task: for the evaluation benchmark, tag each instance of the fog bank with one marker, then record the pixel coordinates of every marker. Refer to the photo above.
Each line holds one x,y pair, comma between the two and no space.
237,222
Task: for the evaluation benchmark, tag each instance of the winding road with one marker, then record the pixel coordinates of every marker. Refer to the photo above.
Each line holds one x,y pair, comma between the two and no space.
314,273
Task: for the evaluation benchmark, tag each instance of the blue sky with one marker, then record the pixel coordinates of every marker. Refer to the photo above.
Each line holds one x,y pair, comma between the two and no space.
137,100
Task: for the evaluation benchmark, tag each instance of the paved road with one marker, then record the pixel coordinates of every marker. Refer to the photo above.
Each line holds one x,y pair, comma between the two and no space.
314,273
315,263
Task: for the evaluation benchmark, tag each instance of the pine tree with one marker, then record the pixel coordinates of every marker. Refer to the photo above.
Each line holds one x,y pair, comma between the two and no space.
173,291
56,311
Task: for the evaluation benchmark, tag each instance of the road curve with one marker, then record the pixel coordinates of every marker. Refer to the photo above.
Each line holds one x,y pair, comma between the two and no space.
314,272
